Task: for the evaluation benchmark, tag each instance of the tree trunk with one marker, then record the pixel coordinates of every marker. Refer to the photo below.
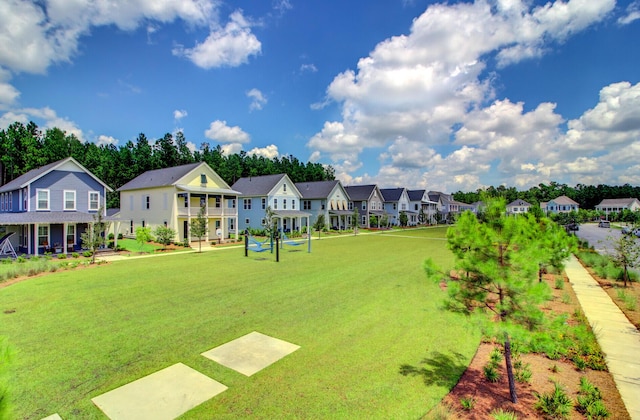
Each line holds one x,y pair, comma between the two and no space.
507,359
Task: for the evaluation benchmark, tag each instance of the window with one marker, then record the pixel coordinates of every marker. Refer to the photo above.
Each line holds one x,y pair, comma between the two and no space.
146,202
94,200
364,220
364,205
404,206
203,179
24,235
71,234
203,202
10,200
351,205
284,187
232,203
284,204
246,221
264,203
43,236
218,202
143,224
306,204
293,204
43,199
395,206
186,201
131,227
246,203
232,224
69,200
275,204
2,202
25,197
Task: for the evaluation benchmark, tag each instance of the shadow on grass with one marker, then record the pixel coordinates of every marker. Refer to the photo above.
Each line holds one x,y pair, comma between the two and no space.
440,369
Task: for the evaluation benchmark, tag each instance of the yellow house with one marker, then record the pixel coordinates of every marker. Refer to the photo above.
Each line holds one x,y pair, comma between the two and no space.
173,197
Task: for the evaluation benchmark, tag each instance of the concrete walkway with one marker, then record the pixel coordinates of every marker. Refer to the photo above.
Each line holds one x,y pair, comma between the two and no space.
618,338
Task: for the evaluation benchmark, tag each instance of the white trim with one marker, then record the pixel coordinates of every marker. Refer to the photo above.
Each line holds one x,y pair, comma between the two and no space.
89,208
38,190
64,200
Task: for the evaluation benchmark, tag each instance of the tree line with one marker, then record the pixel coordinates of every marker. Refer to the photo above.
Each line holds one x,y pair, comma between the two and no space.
26,147
588,196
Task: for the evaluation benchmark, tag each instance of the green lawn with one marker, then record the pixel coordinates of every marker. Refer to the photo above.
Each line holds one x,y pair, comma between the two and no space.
374,343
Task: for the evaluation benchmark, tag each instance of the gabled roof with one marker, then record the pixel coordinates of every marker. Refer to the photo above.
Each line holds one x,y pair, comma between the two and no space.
415,195
564,200
257,185
159,177
316,189
437,195
35,174
617,202
518,203
391,194
360,192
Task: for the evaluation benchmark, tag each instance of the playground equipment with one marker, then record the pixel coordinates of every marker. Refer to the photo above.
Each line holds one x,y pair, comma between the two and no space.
5,246
252,244
285,240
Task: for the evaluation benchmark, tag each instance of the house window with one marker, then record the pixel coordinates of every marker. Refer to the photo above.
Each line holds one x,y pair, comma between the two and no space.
284,204
284,187
232,224
94,200
364,205
131,227
293,204
10,201
264,203
203,179
246,221
218,202
25,197
143,224
246,203
69,200
404,206
232,203
306,204
186,201
71,234
43,236
2,202
146,202
395,206
43,199
350,205
275,204
25,235
364,220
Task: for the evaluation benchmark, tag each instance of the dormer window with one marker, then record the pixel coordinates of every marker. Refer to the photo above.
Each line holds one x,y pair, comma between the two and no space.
284,187
203,179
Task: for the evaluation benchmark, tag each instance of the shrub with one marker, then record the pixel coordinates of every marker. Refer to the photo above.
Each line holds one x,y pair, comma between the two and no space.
87,254
120,236
467,403
589,400
523,374
597,411
491,373
62,256
566,298
559,283
555,404
111,237
500,414
75,255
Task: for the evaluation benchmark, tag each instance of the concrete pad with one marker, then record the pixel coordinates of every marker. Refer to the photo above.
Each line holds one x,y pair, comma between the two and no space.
55,416
250,353
166,394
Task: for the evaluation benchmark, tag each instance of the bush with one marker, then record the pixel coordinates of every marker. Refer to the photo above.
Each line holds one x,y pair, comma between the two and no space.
559,283
62,256
111,237
491,374
555,404
75,255
501,414
589,400
467,403
120,236
87,254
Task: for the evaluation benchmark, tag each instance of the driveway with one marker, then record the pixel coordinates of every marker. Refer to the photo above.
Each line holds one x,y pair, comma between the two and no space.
600,238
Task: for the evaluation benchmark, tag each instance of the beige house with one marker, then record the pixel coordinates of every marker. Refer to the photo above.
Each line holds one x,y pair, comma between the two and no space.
616,205
173,197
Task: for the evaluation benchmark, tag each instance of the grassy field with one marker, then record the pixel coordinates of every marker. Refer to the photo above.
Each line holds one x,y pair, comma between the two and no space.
374,343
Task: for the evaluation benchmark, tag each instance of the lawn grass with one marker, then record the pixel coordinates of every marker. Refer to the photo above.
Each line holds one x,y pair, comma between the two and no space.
359,306
132,245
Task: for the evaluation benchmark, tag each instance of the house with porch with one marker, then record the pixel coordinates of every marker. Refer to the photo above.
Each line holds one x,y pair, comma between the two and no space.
173,197
367,199
616,205
447,207
47,209
328,198
423,210
276,192
518,207
396,201
562,204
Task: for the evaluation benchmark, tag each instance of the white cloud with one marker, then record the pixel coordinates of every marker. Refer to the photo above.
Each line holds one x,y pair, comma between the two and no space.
310,67
221,132
103,140
632,13
8,93
179,114
231,148
420,98
230,46
269,152
48,118
33,35
258,100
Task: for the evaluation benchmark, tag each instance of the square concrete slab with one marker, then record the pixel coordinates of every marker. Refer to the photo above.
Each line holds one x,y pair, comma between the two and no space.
165,394
250,353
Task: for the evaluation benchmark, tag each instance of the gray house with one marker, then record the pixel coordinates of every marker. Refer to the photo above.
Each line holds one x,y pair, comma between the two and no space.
396,201
328,198
48,208
423,210
368,200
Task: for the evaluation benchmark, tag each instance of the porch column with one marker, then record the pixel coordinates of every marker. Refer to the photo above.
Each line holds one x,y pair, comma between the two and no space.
65,245
35,234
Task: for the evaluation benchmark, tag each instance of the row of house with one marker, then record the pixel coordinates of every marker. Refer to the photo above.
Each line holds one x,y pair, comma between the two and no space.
47,209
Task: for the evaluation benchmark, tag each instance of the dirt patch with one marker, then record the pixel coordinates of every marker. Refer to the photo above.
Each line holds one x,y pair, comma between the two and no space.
489,396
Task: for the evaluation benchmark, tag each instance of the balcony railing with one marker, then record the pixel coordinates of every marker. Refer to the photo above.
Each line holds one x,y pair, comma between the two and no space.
210,211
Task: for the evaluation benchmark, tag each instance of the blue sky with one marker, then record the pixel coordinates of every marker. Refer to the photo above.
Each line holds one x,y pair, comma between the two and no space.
445,96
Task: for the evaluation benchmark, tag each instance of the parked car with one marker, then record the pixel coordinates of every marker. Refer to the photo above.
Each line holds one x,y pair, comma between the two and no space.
637,232
626,230
573,226
604,224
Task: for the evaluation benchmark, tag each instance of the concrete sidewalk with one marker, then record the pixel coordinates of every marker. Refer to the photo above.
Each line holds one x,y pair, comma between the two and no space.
618,338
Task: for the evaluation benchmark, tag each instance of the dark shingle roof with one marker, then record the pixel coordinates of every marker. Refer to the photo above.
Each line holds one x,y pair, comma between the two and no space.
317,189
159,177
360,192
415,195
28,217
257,185
518,203
391,194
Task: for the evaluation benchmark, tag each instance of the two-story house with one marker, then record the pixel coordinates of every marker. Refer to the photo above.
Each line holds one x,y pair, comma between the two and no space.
368,201
396,201
616,205
423,210
447,207
48,208
328,198
276,192
173,197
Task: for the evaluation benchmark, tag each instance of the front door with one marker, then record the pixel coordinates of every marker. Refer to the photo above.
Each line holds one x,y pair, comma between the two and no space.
185,229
